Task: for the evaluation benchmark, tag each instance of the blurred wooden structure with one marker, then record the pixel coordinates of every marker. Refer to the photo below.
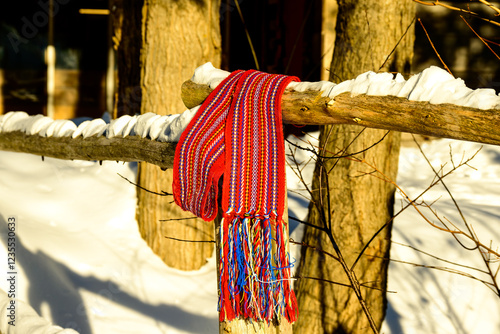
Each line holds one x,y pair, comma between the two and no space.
55,58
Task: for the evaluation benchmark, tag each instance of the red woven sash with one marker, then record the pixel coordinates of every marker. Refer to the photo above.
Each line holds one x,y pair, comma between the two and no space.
237,133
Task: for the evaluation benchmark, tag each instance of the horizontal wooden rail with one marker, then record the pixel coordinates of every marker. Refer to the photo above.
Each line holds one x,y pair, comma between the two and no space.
381,112
131,148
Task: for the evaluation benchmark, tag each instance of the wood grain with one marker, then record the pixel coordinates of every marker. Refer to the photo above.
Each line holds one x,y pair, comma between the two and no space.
379,112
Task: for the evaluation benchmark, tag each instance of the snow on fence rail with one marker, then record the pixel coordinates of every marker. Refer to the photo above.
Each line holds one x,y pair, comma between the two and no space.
148,137
430,103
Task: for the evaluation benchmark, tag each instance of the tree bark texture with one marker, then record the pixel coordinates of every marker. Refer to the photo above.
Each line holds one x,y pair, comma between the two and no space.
177,36
359,203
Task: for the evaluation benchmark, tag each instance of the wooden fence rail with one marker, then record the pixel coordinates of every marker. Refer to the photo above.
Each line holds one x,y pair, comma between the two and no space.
380,112
309,107
131,148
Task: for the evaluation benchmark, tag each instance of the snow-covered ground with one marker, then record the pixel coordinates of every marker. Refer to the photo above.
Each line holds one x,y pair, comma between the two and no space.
81,262
432,301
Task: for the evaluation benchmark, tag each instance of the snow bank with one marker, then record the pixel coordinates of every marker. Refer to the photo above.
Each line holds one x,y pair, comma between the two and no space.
81,260
26,320
83,264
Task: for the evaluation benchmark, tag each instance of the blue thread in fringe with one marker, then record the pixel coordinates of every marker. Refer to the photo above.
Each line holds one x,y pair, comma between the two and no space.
251,259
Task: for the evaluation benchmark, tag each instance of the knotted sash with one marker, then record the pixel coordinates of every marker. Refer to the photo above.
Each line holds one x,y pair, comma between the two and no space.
237,133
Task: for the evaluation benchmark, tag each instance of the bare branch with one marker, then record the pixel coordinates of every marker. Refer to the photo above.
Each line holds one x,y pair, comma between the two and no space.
185,240
441,259
478,36
434,48
446,269
364,284
314,248
163,193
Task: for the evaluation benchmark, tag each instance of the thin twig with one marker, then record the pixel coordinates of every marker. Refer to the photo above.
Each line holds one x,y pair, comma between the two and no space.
397,44
163,193
448,270
461,10
325,217
351,275
248,34
175,219
412,202
184,240
433,47
471,235
337,155
440,259
496,9
444,185
307,224
319,250
482,39
365,284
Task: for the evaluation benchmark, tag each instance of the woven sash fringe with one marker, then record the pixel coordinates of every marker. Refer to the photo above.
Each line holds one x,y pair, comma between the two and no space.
255,277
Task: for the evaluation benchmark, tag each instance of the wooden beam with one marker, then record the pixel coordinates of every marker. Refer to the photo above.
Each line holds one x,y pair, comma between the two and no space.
131,148
381,112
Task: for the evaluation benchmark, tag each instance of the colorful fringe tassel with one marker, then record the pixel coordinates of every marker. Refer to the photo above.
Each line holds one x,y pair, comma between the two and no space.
238,133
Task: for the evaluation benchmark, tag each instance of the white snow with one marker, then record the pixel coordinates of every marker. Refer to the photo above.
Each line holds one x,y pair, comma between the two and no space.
434,85
82,263
95,127
26,319
207,74
162,128
80,259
